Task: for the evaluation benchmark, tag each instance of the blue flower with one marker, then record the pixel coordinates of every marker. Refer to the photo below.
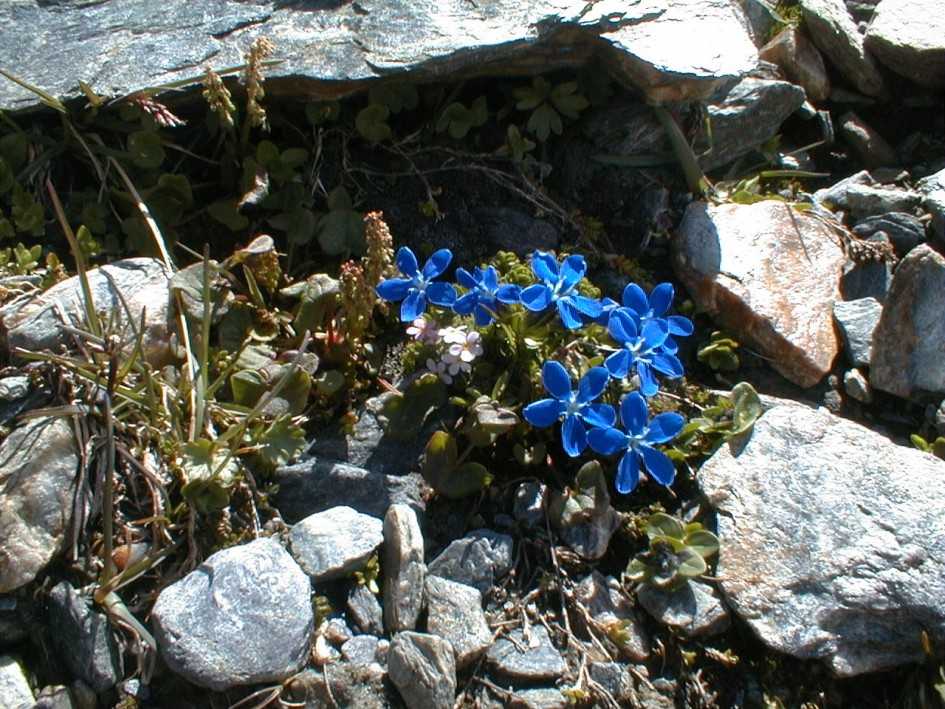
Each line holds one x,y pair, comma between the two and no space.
607,306
642,349
557,286
637,444
574,406
484,294
418,287
655,307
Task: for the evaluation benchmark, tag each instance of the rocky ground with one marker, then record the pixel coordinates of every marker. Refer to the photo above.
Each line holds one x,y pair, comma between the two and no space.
812,259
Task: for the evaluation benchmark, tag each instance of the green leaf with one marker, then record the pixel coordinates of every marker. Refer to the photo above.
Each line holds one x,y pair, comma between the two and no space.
27,213
226,212
329,382
341,232
747,407
323,112
637,571
371,123
544,121
14,149
267,154
6,229
691,564
146,149
529,97
439,459
396,97
938,448
703,542
294,157
662,524
315,294
248,387
208,480
459,120
407,412
920,443
281,442
87,243
6,177
565,98
518,144
301,225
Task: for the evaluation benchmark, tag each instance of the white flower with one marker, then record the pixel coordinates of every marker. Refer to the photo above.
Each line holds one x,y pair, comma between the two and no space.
466,349
440,370
453,335
423,330
455,364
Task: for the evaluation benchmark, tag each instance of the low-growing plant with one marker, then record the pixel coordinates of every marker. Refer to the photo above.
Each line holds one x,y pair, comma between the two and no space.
677,552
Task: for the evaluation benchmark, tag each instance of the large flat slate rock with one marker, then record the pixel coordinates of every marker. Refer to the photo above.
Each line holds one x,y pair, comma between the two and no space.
331,49
832,539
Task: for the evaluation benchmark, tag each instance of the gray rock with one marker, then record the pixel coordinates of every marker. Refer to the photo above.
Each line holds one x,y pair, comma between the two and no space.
360,650
13,388
908,36
800,61
15,692
365,610
54,697
864,201
940,418
336,48
760,17
866,280
332,544
16,616
746,265
141,282
903,230
870,147
316,485
336,631
835,34
454,612
343,684
831,539
932,189
422,668
836,194
38,464
694,609
615,679
541,698
750,114
592,538
404,570
530,659
529,505
18,395
244,616
857,386
909,341
83,638
606,605
479,559
857,320
513,230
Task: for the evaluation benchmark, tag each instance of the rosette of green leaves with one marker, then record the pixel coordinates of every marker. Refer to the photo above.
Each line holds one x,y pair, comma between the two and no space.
677,552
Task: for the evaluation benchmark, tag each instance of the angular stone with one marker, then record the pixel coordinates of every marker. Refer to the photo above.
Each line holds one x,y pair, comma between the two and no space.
514,230
869,279
15,692
332,544
479,559
903,230
908,36
835,34
857,386
541,698
770,275
932,189
15,620
342,684
54,697
404,570
615,678
800,61
693,609
365,611
360,650
857,320
529,660
750,114
143,283
84,639
760,19
909,341
244,616
607,605
864,201
336,49
831,539
38,465
454,612
317,485
422,668
867,143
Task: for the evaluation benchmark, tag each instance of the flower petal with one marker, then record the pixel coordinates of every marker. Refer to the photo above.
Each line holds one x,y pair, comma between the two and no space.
573,436
537,297
414,304
465,278
670,345
465,303
621,326
393,289
545,267
664,427
590,307
660,467
599,415
437,263
679,325
607,441
442,294
618,364
572,271
592,384
481,315
648,384
628,473
607,307
635,298
570,316
655,333
509,294
633,413
407,262
543,413
661,298
556,379
667,364
490,279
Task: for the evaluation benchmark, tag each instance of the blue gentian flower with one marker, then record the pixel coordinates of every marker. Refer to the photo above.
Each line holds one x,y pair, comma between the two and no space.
574,406
637,443
558,286
655,307
485,293
607,306
418,287
642,350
